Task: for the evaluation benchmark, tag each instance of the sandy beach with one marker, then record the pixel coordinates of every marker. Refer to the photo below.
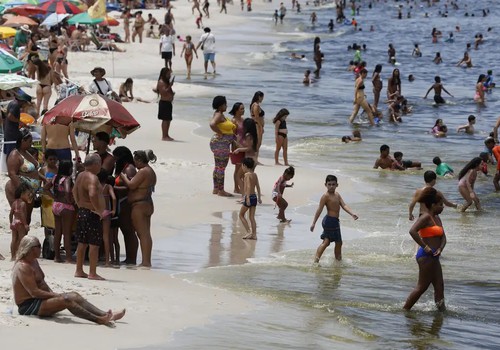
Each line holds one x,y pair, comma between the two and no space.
157,304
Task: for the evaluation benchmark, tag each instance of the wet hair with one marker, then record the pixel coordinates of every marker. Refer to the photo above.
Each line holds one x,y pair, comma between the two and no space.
444,128
123,156
436,160
378,69
248,162
23,187
438,121
145,156
250,127
437,79
489,141
411,77
27,242
24,134
290,171
50,153
471,165
481,77
218,102
346,138
429,196
416,45
102,136
356,133
429,175
471,117
235,108
281,113
438,54
330,178
384,148
256,97
398,154
396,79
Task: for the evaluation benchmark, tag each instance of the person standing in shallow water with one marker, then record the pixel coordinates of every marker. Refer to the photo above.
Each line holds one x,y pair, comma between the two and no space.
377,85
318,56
360,98
429,234
437,86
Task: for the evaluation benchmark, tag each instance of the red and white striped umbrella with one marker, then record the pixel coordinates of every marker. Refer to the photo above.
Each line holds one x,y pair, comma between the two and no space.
60,6
90,112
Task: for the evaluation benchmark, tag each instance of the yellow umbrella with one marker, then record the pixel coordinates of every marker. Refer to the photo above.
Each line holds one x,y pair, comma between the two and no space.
7,32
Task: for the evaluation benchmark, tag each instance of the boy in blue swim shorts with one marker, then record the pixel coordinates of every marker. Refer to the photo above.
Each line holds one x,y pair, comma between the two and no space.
250,186
331,224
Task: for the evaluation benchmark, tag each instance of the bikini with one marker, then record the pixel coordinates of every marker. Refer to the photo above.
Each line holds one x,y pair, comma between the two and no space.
282,126
147,199
429,232
58,207
16,222
27,168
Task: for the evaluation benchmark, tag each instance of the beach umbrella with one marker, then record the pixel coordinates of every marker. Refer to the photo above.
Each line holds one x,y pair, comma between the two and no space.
11,81
90,112
60,6
18,21
8,63
26,10
7,32
54,18
84,18
109,21
12,3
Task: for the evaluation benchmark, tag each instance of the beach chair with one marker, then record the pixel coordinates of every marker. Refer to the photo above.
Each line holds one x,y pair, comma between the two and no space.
101,44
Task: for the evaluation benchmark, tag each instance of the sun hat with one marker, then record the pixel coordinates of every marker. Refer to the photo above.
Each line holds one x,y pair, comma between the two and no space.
98,69
25,28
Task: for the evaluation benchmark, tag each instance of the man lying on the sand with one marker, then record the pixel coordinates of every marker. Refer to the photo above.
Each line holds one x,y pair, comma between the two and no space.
34,297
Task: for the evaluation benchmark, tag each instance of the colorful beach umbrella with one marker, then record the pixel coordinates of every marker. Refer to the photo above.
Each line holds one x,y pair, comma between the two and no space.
26,10
17,21
60,6
90,112
84,18
54,18
7,32
11,81
109,21
11,3
8,63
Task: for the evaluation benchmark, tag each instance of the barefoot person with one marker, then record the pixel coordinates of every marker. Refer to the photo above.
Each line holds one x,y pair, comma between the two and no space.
187,50
429,234
250,186
164,89
33,296
141,188
207,44
87,193
360,98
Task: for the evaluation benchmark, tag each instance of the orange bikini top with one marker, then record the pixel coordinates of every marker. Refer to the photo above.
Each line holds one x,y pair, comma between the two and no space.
431,231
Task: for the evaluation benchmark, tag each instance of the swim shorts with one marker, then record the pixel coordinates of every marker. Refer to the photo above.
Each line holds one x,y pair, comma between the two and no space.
438,99
165,110
331,229
88,227
407,163
252,199
166,55
209,57
30,307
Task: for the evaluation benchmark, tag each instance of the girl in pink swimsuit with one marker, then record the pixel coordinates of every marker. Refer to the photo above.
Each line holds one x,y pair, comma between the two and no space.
18,216
467,178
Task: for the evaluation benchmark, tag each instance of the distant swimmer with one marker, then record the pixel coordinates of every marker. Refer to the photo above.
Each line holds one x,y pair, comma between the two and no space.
466,60
307,78
469,127
416,51
437,87
391,52
443,169
450,39
294,56
356,137
403,164
437,59
331,25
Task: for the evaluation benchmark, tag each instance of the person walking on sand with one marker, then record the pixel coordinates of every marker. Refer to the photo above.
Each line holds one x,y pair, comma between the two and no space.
34,297
207,44
187,50
88,196
126,24
250,186
165,107
429,234
437,86
331,224
167,47
138,26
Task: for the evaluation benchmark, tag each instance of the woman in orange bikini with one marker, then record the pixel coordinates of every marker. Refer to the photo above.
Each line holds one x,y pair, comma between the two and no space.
429,234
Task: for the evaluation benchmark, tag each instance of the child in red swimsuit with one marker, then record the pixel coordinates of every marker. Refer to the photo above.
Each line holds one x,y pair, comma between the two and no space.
18,216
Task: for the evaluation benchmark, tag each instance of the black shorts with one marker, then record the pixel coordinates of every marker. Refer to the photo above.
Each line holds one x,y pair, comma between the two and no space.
166,55
165,110
88,227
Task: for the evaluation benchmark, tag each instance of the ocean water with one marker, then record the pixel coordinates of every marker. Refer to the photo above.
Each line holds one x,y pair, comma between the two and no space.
355,304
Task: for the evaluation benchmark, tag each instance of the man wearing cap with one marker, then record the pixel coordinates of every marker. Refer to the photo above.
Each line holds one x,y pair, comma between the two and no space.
207,43
21,38
11,124
100,85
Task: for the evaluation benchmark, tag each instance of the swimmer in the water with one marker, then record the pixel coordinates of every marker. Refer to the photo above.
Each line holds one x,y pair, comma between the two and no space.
469,127
467,61
356,137
294,56
437,59
411,78
437,86
416,51
450,39
307,78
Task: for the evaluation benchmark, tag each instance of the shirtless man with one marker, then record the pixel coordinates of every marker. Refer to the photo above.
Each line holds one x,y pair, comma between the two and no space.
437,86
34,297
430,181
101,142
196,6
495,130
91,208
384,161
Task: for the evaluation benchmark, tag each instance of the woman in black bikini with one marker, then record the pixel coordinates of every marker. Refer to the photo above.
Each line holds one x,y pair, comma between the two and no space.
44,88
360,98
257,114
53,45
280,132
141,189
